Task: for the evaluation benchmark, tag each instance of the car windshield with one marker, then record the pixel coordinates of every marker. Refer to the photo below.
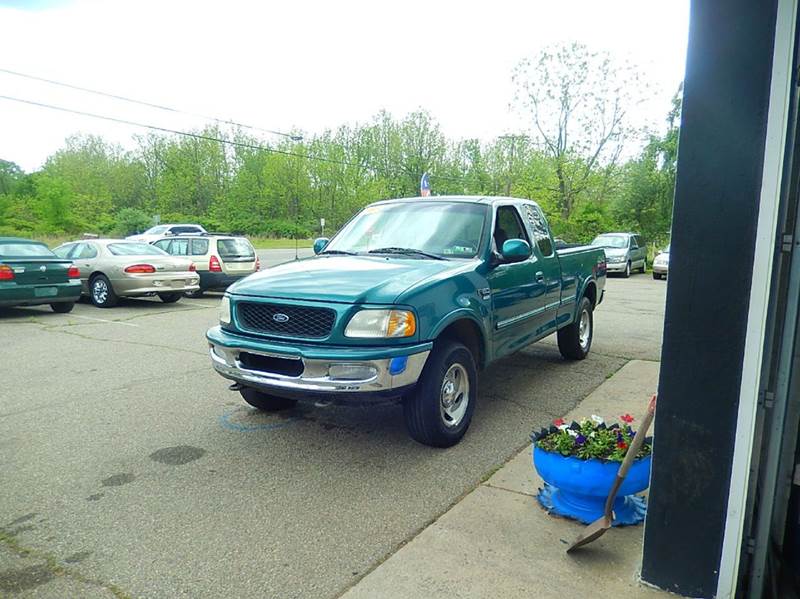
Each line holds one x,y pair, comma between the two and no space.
25,250
135,249
610,241
441,229
235,248
157,230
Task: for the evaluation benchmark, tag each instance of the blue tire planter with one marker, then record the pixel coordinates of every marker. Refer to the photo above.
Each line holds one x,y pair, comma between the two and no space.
577,489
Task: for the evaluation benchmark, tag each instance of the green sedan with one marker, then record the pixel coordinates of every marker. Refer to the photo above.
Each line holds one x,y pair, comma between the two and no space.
31,275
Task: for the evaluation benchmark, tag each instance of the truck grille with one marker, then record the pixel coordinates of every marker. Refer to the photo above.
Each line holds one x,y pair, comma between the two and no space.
294,321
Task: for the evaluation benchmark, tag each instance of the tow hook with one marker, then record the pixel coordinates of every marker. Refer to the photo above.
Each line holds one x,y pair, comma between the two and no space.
235,387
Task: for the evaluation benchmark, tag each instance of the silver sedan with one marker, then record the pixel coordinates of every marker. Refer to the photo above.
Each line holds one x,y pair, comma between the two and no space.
114,268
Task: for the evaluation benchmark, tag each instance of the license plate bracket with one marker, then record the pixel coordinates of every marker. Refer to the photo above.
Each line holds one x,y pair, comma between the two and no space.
45,291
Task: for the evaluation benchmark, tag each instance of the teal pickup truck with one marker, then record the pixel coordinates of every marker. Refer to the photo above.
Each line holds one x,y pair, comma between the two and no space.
408,302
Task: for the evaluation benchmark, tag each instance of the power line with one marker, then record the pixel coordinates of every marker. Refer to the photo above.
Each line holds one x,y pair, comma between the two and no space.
291,136
231,142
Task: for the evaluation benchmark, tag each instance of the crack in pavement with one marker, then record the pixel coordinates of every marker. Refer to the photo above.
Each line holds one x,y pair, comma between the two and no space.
52,329
54,567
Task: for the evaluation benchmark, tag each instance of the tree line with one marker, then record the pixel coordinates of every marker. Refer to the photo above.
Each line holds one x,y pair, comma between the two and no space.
574,159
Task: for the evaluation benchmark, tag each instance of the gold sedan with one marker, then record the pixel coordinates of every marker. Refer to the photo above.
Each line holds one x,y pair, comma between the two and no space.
114,268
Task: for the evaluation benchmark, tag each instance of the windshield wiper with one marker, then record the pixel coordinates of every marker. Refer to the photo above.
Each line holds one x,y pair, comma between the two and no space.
339,252
406,252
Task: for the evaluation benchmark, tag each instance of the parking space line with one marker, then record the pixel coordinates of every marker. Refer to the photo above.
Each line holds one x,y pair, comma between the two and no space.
127,324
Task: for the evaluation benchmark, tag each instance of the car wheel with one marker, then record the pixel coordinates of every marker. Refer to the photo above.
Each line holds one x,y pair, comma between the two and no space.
169,298
62,307
627,272
575,340
102,293
656,276
644,266
197,293
439,410
265,402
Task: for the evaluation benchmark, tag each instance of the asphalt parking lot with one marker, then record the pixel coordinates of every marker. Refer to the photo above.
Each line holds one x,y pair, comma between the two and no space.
128,469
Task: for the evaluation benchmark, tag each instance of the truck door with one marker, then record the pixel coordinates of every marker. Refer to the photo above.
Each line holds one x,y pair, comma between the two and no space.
516,292
549,269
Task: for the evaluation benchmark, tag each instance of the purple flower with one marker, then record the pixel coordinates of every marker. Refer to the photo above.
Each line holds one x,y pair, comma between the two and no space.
619,437
580,440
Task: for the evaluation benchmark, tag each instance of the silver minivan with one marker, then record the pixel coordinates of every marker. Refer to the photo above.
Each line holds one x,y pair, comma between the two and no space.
625,252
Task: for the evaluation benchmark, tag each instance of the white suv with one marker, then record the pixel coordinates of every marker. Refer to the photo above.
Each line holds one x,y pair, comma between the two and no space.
160,231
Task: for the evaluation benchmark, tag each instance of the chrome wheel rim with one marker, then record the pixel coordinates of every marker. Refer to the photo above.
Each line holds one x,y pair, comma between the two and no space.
100,291
628,269
584,330
454,396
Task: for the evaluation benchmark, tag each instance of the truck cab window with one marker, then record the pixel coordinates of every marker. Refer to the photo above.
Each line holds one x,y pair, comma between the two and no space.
508,226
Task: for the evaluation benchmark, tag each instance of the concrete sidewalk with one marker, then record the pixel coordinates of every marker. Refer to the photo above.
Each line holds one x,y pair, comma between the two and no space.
498,542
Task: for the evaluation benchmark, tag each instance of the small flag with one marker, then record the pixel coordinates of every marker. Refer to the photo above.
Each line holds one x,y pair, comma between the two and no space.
424,186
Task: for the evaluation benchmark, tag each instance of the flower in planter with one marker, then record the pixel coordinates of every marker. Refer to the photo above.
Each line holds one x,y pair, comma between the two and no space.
590,439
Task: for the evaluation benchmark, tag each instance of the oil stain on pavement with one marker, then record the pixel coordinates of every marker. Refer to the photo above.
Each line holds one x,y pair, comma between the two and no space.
118,480
24,579
178,455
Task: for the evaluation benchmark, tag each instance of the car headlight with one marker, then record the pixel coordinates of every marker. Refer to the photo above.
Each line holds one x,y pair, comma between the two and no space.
225,310
381,323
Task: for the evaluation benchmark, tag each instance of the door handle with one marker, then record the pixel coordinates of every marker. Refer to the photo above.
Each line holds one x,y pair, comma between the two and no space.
540,277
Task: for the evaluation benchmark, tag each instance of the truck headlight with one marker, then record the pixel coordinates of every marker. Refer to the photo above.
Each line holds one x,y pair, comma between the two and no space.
225,310
381,323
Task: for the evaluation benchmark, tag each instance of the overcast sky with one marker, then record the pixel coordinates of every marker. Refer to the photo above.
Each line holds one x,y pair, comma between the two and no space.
305,65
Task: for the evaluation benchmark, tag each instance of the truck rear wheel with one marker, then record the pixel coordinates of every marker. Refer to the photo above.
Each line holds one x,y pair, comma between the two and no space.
265,402
575,340
438,412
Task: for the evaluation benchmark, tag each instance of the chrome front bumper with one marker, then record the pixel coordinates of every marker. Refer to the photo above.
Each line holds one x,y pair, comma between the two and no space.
385,375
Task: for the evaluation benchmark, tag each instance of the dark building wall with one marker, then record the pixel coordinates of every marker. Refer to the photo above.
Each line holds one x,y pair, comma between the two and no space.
723,128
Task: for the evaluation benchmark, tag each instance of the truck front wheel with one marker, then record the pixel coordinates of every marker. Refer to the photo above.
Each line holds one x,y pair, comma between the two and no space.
264,402
575,340
438,412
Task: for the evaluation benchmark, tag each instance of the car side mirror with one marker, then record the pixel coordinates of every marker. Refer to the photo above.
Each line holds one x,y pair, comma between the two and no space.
515,250
320,243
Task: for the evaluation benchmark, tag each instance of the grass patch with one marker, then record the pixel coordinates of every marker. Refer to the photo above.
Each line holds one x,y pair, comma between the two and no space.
266,243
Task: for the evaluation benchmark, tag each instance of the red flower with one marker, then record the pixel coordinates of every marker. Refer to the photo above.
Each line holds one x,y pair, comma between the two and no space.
626,418
559,422
622,445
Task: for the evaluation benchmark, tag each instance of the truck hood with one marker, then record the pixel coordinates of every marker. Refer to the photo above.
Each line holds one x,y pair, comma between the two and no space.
345,279
616,252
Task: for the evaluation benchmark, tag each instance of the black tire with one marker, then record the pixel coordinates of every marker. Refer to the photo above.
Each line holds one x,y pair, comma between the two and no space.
264,402
170,298
62,307
627,271
195,294
657,276
569,338
644,266
427,420
101,292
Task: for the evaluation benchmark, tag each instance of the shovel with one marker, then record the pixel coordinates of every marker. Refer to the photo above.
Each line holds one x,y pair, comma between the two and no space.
597,528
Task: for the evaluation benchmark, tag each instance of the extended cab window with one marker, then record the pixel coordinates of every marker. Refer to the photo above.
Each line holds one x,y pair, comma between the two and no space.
541,232
508,226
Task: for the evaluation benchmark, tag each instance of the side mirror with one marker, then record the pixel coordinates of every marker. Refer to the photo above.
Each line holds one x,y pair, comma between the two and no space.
515,250
320,243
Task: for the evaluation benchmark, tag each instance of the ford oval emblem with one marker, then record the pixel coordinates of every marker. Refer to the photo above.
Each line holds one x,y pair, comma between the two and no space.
280,317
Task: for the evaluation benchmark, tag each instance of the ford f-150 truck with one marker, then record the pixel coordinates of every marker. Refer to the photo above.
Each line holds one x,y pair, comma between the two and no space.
408,301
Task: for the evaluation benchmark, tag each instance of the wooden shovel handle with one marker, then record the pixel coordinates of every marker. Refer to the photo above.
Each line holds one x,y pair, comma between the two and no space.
630,456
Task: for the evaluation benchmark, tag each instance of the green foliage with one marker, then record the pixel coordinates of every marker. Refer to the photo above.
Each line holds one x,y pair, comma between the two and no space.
132,220
90,185
591,439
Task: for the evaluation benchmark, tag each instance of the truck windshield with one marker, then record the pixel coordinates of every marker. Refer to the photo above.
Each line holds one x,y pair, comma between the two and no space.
445,229
610,241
